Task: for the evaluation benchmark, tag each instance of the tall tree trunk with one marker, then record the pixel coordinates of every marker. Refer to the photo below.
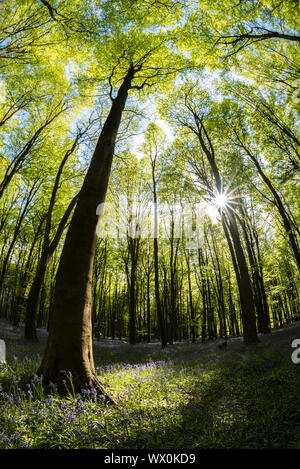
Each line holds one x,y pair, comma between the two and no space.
159,311
278,202
248,311
191,304
203,288
148,309
133,246
69,346
260,299
238,256
48,249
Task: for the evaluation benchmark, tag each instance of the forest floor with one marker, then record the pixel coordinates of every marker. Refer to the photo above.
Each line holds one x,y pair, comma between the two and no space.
189,395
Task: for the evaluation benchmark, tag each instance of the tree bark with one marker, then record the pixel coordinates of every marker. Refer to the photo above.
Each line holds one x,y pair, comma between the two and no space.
243,278
159,311
69,346
278,203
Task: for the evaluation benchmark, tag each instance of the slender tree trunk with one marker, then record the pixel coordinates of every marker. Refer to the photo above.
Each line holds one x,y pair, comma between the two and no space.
20,158
133,245
32,301
278,202
191,304
34,292
203,288
17,229
159,311
148,309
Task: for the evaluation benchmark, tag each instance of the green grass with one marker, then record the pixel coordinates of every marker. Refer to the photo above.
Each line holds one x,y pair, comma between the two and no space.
187,396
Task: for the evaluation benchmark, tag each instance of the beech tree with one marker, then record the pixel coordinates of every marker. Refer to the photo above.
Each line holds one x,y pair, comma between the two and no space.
192,104
191,115
72,301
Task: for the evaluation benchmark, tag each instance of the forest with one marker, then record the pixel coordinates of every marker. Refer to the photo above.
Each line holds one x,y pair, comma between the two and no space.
149,224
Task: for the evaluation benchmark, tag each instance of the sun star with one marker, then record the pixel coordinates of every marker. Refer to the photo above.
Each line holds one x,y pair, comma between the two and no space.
221,200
